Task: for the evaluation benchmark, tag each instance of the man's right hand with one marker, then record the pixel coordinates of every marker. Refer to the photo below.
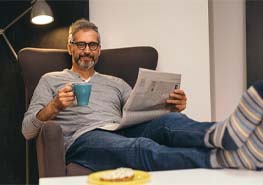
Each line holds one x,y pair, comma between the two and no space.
64,98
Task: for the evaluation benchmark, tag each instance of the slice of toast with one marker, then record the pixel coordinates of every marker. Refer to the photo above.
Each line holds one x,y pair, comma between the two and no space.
119,174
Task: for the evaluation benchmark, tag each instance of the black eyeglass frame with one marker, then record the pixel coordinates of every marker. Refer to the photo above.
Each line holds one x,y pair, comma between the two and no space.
82,45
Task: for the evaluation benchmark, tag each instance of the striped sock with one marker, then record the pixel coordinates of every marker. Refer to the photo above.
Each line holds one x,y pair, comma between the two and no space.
249,156
232,133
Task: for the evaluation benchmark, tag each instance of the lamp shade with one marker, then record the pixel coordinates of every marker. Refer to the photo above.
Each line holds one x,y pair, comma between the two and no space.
41,13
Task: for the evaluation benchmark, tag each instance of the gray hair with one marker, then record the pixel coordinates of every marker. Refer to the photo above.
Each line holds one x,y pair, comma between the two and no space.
82,24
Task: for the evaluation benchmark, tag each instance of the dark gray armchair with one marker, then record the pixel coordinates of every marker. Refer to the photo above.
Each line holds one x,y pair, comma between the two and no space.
49,145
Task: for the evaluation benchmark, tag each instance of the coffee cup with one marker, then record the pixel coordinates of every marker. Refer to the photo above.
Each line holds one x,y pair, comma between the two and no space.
82,92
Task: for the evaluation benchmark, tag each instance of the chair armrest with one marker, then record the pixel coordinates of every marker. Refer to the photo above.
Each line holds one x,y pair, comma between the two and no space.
51,151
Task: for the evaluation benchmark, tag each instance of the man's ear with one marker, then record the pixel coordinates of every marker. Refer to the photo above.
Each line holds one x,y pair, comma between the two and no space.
99,50
69,46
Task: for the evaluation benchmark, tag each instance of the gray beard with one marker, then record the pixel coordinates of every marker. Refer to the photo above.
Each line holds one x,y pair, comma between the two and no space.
85,65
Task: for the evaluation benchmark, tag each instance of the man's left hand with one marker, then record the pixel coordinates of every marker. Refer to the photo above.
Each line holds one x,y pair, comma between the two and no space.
178,99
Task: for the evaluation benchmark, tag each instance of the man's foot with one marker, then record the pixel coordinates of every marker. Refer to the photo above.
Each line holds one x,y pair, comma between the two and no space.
234,132
249,156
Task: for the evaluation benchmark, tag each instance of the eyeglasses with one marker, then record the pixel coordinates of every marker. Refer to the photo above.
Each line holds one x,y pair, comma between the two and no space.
82,45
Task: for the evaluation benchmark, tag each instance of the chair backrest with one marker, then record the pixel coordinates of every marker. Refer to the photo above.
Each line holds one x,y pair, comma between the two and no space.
121,62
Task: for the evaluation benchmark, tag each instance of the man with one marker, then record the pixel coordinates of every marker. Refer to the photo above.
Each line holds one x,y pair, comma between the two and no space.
173,141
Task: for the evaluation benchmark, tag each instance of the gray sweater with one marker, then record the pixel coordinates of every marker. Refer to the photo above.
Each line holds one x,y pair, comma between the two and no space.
108,95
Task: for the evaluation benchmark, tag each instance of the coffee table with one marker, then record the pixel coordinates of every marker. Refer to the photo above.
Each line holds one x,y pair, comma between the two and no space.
179,177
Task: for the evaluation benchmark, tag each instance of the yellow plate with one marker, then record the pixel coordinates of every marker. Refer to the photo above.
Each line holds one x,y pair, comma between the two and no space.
140,178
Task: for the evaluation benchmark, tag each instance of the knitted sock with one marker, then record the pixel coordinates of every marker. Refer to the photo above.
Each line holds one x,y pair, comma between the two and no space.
232,133
249,156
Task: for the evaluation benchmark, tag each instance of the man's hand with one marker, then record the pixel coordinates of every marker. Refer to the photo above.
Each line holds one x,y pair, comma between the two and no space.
64,98
178,99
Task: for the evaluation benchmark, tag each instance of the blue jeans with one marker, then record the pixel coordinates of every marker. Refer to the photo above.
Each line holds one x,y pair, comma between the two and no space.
173,141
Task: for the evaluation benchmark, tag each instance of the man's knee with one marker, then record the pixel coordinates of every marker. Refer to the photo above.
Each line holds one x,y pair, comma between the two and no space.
144,143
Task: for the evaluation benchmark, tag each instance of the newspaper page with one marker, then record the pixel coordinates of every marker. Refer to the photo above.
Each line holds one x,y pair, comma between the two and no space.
148,98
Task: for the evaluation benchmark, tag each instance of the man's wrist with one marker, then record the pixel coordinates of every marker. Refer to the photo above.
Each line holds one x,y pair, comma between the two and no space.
54,107
49,112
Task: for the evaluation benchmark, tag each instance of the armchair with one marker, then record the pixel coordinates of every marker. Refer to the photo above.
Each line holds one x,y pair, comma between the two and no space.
49,145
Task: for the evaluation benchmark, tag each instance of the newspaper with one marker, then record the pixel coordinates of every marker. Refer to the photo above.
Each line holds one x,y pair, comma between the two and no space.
148,98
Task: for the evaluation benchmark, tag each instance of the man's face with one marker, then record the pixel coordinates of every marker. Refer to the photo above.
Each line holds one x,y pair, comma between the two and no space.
82,49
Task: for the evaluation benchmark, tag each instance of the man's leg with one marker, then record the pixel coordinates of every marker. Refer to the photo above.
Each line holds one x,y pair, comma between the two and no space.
101,150
173,130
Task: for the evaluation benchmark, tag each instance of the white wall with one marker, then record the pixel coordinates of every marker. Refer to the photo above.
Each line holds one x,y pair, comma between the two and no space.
228,56
178,29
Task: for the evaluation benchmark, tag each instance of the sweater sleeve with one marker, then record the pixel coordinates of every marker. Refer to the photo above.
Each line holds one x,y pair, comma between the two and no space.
126,91
41,97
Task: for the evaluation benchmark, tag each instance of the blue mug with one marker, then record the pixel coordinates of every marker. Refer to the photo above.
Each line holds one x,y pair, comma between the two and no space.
82,92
